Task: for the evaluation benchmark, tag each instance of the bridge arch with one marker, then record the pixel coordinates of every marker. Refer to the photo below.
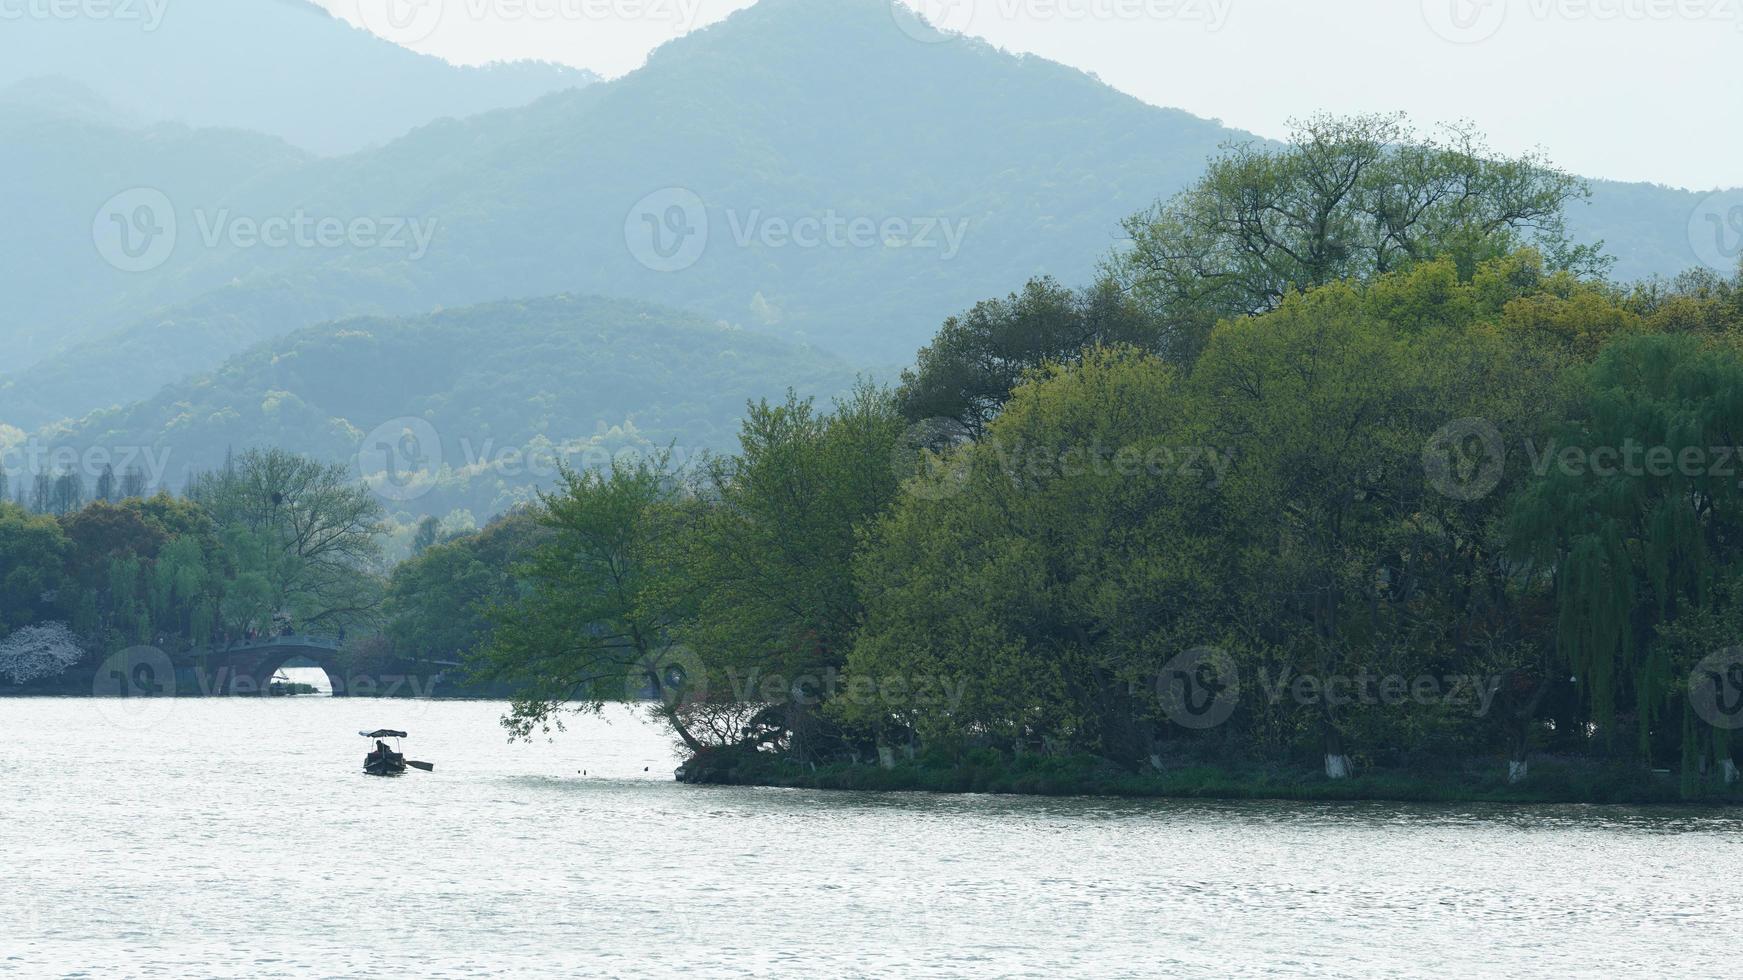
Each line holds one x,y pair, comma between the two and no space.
248,667
270,666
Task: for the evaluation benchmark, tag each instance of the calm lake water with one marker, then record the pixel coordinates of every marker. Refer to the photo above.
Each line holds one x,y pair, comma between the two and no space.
239,838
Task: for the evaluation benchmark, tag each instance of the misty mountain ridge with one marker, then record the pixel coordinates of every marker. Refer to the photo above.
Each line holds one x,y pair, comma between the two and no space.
850,214
288,68
498,394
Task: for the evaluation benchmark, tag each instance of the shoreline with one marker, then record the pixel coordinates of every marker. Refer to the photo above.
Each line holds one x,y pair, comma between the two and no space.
1550,783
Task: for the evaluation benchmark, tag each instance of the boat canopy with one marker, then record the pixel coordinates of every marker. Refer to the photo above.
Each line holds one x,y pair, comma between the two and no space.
384,733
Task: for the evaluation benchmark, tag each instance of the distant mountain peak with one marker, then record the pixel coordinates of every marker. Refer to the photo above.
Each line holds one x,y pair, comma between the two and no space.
288,68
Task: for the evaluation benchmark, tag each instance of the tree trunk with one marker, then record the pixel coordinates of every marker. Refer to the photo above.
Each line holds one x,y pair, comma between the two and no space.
1521,718
1337,764
689,740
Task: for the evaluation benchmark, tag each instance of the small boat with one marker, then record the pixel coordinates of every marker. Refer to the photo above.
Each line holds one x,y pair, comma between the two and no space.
386,760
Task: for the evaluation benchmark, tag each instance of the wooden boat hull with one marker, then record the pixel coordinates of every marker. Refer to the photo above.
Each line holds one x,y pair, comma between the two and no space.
374,766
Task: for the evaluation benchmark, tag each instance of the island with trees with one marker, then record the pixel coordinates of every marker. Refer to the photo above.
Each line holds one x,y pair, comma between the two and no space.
1351,476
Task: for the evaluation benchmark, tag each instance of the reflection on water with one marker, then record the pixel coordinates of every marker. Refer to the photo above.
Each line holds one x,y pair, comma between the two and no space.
239,837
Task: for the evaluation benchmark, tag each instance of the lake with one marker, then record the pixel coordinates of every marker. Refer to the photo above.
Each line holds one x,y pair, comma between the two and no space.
231,837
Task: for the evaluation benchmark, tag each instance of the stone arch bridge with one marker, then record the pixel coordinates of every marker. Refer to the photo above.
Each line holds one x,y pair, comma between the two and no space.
248,667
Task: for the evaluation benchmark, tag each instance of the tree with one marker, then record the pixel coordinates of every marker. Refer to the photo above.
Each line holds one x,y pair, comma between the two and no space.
106,485
133,483
1343,199
593,627
439,602
306,536
1639,525
769,570
33,552
34,652
1032,581
969,370
429,533
68,494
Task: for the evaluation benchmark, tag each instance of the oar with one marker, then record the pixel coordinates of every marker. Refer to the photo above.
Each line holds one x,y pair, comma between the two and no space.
425,766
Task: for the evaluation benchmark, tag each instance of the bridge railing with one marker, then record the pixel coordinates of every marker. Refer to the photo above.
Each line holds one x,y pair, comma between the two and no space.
311,640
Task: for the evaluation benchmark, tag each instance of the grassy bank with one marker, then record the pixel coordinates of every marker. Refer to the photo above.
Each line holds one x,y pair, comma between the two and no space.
1549,781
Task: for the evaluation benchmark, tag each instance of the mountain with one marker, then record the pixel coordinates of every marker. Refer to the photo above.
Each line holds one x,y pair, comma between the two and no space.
810,169
64,151
948,172
491,397
283,67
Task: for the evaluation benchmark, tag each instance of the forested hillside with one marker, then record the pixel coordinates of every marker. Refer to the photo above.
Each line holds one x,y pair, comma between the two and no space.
496,396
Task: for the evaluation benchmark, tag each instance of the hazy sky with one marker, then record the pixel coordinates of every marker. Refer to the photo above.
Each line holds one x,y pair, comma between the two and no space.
1630,89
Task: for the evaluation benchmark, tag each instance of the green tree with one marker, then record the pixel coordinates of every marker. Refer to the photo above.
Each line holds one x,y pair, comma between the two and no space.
1639,524
970,369
770,562
594,626
439,602
304,534
1343,199
33,553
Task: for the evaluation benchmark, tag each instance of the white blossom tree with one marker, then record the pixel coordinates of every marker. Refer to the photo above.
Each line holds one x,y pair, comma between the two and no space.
34,652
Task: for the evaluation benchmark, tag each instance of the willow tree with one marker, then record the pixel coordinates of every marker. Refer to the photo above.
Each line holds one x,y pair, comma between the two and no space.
1636,515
